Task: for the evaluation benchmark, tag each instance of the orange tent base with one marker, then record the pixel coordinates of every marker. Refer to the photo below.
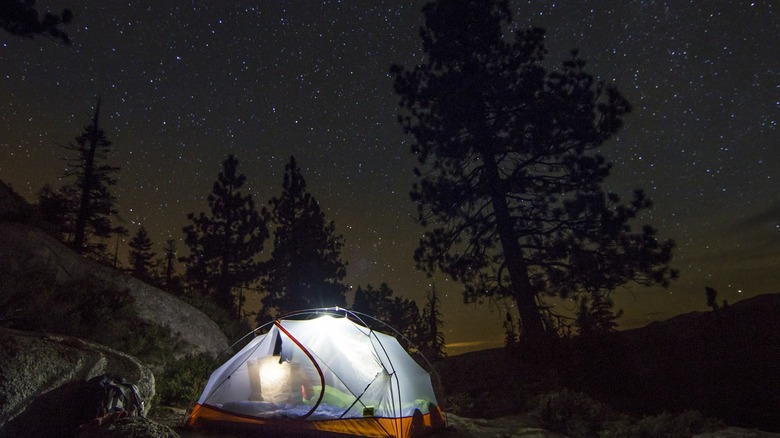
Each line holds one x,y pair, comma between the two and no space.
209,417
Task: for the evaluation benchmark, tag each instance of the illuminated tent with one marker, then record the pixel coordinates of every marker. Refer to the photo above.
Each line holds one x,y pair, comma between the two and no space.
321,371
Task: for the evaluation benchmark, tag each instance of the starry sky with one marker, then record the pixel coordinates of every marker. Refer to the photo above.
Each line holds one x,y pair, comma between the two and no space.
186,82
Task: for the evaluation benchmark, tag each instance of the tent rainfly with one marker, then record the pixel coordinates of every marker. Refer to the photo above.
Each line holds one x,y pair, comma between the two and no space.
321,370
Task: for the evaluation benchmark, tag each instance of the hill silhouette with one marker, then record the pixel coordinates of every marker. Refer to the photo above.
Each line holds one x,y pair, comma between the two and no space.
724,364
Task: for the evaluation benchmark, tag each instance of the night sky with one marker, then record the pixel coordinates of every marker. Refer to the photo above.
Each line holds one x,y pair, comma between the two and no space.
184,83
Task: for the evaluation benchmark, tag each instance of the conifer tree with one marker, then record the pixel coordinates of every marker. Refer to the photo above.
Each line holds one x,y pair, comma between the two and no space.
401,314
374,302
305,269
595,317
168,261
712,297
404,316
141,255
225,245
431,337
90,193
509,185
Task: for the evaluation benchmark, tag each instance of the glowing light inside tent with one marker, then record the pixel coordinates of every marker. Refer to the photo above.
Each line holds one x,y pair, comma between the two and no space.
272,373
273,379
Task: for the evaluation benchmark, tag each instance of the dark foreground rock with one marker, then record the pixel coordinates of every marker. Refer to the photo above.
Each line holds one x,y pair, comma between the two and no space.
135,427
43,379
28,250
514,426
527,427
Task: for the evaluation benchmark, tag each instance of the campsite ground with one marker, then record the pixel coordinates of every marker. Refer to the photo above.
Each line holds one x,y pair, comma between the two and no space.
458,427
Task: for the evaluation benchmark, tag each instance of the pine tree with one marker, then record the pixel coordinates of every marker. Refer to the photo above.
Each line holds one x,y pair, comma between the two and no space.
401,314
141,255
595,317
168,261
509,183
305,269
431,337
224,246
90,193
404,316
374,302
712,297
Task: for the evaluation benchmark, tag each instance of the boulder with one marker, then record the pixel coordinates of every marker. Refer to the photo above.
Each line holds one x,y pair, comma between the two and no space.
25,248
43,379
135,427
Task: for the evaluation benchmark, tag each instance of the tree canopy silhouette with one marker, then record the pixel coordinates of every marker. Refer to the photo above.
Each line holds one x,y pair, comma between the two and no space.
430,338
509,181
141,255
595,317
305,269
19,17
224,245
88,201
169,279
401,314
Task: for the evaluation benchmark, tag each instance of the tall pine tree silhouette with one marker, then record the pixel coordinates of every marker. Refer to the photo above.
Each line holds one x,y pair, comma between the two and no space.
225,245
373,301
141,255
430,339
305,269
401,314
509,181
169,258
90,193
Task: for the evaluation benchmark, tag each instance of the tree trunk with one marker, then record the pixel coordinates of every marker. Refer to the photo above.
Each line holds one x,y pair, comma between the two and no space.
533,331
80,235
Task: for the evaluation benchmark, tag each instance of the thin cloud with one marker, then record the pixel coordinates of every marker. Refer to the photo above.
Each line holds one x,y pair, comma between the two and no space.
769,219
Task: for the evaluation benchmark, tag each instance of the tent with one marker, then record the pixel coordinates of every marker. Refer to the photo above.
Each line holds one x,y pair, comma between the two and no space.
324,371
